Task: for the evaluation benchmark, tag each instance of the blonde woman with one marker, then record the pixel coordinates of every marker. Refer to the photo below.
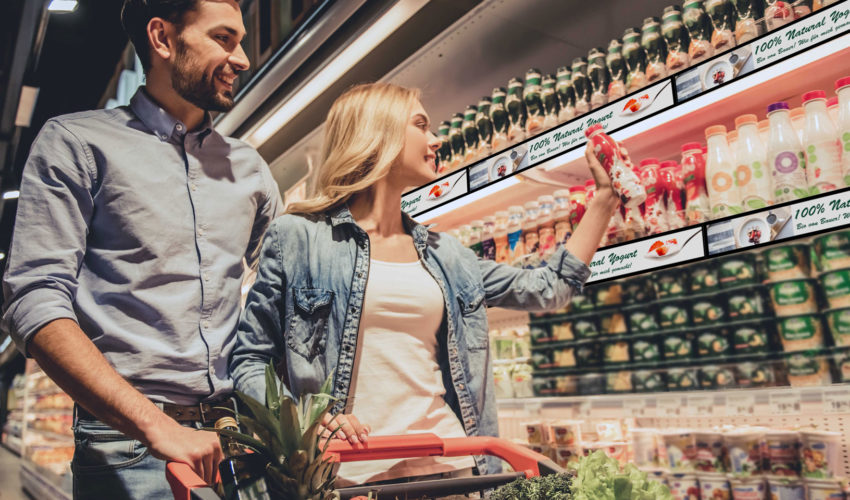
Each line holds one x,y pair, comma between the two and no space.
350,285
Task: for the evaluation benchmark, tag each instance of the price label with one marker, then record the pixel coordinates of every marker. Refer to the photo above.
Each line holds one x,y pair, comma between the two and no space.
668,406
836,401
740,404
533,408
785,402
635,407
700,405
584,409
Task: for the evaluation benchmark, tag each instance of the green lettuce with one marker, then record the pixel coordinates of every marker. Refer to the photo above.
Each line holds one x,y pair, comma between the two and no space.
599,477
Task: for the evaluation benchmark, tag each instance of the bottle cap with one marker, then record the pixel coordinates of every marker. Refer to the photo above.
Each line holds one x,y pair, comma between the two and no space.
744,119
690,146
591,129
476,223
561,193
732,136
501,214
714,130
576,189
225,422
669,164
777,105
832,101
764,125
515,209
649,161
813,94
546,198
531,205
589,184
842,82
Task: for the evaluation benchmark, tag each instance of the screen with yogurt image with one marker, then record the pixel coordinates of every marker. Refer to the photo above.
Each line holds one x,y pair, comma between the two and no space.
710,74
751,229
498,167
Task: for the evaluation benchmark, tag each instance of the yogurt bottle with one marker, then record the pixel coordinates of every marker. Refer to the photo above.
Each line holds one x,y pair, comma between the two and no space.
820,140
697,208
655,213
723,192
546,230
488,241
842,88
500,237
516,214
820,489
764,131
624,180
778,14
563,228
674,186
476,228
750,488
714,486
683,486
578,204
530,234
798,120
783,454
751,173
744,447
832,109
784,488
786,158
820,454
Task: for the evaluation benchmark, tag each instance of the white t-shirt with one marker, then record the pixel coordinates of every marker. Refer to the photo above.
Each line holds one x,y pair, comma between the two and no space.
397,384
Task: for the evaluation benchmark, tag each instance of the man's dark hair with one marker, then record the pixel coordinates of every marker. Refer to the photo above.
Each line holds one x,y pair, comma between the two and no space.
136,14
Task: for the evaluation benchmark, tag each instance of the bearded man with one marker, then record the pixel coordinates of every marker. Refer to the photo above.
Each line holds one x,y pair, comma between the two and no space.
134,229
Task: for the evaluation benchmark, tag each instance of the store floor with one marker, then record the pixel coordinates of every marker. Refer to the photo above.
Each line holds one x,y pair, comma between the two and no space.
10,476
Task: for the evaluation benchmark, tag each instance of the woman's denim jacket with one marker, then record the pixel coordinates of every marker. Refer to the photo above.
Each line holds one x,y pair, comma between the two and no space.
305,306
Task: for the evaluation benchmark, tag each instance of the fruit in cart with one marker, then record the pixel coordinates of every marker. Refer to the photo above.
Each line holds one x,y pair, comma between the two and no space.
287,437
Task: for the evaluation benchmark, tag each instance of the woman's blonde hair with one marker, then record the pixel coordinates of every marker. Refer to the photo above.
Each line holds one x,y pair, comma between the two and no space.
364,136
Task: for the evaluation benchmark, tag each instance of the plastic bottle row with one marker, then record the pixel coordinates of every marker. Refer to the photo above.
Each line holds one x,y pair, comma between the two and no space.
684,36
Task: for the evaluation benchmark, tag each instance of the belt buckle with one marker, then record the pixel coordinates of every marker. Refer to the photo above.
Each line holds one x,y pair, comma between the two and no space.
202,412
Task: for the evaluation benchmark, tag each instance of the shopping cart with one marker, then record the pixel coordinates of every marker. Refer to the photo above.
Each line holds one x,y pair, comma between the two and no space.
186,485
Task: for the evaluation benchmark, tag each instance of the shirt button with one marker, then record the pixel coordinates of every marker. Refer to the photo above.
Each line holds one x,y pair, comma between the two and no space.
206,277
206,324
179,127
194,187
461,386
200,232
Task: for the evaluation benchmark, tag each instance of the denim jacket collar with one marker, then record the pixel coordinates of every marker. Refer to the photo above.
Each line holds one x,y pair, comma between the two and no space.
342,215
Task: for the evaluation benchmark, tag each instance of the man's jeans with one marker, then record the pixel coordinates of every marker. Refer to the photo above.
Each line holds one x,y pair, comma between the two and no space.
109,465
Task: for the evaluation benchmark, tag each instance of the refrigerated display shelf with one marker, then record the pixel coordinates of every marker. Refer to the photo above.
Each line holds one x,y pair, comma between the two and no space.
50,435
13,443
43,484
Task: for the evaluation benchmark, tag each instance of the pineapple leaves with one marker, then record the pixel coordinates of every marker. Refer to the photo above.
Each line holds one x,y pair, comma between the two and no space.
246,440
262,415
272,390
290,427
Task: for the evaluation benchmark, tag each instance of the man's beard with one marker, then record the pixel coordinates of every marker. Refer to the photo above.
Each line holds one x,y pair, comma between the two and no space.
191,83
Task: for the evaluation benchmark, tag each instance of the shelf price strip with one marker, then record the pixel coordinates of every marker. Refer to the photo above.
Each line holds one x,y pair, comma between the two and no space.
700,405
668,406
740,404
785,402
635,407
836,401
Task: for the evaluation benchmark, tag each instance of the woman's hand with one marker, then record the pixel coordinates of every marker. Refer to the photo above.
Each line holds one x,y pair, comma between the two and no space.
597,171
350,428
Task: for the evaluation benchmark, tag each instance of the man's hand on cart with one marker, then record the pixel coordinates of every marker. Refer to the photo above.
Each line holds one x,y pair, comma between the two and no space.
198,449
350,428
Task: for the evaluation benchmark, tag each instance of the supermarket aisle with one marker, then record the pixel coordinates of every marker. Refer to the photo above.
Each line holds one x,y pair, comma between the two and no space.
10,479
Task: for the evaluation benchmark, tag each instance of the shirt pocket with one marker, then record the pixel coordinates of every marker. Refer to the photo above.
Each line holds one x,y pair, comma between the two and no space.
473,318
308,325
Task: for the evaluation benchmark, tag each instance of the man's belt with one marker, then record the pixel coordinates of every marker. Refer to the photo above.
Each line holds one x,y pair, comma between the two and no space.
202,412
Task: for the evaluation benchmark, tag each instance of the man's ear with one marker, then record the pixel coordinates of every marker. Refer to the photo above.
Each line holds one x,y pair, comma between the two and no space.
161,37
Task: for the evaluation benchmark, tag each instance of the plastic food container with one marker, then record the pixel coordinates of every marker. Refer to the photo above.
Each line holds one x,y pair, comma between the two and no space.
836,287
670,283
683,486
709,452
838,321
617,382
707,310
607,294
833,251
787,262
749,339
645,447
616,352
704,278
645,350
617,450
820,454
754,374
716,377
674,314
656,474
539,334
562,330
648,381
565,385
681,449
793,297
543,386
800,333
585,328
712,344
566,432
678,346
842,366
714,487
784,488
681,379
824,489
744,448
748,488
568,456
642,320
587,354
745,304
737,270
537,432
541,359
581,302
783,453
613,323
591,383
638,291
563,357
807,369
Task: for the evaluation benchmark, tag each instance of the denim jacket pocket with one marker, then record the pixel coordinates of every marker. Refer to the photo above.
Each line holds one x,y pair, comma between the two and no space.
473,318
308,326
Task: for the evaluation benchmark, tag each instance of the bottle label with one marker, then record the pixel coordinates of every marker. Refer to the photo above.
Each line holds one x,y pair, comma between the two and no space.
563,231
823,161
515,243
503,249
532,242
546,236
488,249
789,176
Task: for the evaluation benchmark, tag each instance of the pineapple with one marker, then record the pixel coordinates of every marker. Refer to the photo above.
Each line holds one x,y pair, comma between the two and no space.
287,437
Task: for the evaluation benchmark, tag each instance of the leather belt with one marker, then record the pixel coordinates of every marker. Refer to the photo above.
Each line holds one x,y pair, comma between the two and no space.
202,412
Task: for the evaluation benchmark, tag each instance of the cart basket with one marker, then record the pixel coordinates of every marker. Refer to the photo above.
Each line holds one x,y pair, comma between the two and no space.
186,485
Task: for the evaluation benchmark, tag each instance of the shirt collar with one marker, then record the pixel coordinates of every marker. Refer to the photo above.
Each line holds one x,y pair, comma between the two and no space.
342,215
160,122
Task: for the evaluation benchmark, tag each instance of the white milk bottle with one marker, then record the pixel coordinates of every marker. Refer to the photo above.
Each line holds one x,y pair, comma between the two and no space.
820,140
719,172
785,156
842,88
798,120
751,172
